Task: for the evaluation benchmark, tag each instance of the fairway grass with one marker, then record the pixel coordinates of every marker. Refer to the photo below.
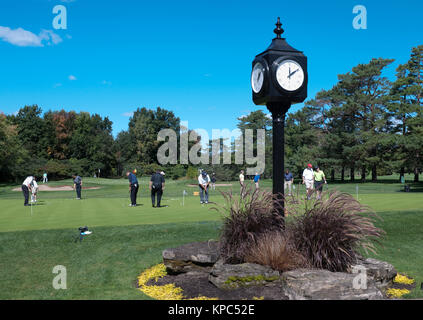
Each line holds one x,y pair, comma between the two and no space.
127,240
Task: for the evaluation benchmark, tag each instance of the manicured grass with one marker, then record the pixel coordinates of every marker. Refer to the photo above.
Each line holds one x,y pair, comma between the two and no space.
127,240
105,265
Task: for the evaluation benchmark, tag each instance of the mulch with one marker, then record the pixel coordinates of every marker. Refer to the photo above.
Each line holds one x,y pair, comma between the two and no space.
197,284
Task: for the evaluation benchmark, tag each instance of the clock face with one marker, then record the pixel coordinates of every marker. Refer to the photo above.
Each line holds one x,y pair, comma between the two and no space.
290,75
257,77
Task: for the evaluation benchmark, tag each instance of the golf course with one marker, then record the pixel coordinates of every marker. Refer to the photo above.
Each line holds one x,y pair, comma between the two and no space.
125,240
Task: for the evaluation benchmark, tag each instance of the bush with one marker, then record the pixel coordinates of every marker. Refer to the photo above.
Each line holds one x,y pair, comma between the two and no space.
277,250
331,232
246,218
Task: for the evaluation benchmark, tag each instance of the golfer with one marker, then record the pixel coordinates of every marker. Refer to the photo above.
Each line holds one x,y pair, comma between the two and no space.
133,187
77,186
241,179
256,180
157,185
319,180
45,179
213,181
203,183
34,189
26,187
308,180
289,180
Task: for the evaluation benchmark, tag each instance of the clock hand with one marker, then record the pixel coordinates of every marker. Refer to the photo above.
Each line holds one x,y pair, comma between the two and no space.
291,74
258,77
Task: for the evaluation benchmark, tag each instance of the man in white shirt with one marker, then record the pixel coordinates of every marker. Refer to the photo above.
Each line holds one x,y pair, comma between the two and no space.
26,187
203,183
241,178
308,180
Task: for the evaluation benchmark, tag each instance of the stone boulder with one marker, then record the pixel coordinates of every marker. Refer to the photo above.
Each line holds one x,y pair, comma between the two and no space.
191,257
382,272
233,276
310,284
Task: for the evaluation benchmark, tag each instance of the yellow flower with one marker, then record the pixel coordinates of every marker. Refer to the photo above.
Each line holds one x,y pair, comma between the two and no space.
397,293
155,273
403,279
203,298
165,292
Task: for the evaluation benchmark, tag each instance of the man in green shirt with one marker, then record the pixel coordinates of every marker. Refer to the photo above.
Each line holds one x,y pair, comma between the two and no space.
319,179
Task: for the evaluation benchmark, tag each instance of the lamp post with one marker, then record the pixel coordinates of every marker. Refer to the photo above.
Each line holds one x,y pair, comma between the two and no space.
279,79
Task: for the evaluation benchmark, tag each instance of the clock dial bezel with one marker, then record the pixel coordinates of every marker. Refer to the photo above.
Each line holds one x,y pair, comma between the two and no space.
277,63
265,70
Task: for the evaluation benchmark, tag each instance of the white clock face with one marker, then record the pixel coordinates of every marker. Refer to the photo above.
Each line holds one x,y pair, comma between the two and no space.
290,75
257,77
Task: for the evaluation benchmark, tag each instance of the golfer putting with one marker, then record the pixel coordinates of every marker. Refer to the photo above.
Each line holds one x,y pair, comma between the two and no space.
26,188
203,183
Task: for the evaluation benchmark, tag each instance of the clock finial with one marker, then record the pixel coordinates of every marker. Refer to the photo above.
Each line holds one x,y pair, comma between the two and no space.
278,30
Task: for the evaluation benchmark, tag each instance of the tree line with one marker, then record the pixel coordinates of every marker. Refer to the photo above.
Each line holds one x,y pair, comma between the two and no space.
364,125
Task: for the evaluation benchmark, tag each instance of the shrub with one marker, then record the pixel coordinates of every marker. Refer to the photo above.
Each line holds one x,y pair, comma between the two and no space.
277,250
332,231
246,218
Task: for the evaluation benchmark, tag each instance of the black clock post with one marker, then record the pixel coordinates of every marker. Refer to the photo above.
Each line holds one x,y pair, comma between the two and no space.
278,80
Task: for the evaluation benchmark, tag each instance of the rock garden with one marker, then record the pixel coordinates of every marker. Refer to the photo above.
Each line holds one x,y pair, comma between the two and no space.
315,254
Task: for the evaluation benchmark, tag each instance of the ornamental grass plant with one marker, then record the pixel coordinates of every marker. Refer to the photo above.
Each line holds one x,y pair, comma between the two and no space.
247,217
332,231
277,250
324,234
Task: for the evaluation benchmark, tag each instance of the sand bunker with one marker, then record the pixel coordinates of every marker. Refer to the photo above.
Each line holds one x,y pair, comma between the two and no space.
44,187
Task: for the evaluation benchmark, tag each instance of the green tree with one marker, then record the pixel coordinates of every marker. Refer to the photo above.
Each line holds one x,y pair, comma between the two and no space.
406,106
366,93
144,126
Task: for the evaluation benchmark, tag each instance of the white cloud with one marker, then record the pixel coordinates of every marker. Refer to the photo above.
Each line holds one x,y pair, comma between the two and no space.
72,78
128,114
56,85
23,38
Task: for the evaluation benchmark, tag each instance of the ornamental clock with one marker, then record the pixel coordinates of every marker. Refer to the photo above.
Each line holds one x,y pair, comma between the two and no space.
278,80
279,74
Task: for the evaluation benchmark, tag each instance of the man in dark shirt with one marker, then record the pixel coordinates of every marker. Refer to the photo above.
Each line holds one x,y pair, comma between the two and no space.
157,185
289,180
77,185
133,188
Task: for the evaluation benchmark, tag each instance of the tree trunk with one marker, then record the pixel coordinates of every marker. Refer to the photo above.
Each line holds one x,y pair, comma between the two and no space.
352,173
416,175
363,173
374,173
342,174
332,175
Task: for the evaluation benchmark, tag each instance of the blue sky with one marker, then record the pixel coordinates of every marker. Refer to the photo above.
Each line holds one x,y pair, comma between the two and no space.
191,57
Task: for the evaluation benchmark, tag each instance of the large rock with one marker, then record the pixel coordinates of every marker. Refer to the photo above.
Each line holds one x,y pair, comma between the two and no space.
191,257
382,272
233,276
308,284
